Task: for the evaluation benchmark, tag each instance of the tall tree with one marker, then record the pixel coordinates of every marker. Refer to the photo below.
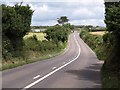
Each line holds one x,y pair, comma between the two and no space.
62,20
112,20
16,22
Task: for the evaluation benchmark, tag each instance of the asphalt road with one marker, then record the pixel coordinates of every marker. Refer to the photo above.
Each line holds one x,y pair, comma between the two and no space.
77,67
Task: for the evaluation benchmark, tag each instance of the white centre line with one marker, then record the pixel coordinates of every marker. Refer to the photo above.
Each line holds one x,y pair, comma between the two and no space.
49,74
36,77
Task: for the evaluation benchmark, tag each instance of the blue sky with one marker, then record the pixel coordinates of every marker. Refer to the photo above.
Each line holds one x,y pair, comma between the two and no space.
79,12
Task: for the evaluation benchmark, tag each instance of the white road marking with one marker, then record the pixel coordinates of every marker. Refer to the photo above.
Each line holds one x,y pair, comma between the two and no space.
53,67
88,47
36,77
100,62
49,74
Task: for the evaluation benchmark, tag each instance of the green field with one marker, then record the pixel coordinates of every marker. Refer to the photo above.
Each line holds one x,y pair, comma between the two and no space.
40,36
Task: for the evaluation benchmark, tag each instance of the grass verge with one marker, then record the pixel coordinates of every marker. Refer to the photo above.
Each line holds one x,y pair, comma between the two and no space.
38,56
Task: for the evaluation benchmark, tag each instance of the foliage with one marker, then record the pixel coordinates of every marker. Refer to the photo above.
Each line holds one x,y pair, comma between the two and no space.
41,46
62,20
57,33
112,16
18,50
34,50
16,22
111,67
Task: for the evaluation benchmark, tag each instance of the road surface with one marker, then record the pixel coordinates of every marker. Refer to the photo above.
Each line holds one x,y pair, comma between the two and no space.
77,67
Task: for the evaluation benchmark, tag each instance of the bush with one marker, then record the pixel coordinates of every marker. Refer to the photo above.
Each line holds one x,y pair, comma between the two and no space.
42,46
57,33
31,43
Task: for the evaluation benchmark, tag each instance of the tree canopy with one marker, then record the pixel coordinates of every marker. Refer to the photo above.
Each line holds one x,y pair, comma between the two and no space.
112,39
16,22
62,20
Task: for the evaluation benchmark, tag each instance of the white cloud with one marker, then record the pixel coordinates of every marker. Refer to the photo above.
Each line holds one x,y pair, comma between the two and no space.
44,23
44,8
78,11
94,22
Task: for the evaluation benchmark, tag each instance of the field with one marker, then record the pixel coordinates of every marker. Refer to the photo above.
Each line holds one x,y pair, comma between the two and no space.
40,36
98,33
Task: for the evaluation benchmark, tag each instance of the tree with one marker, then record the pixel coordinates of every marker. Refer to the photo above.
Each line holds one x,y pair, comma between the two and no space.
112,17
112,20
16,22
57,34
62,20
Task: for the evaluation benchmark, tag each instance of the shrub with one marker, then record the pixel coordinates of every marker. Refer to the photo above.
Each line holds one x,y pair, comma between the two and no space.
57,34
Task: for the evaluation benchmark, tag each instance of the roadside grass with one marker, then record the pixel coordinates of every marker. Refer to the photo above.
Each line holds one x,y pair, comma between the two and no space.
32,57
40,35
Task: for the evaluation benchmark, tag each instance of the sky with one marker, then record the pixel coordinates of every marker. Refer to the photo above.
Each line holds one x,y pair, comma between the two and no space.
79,12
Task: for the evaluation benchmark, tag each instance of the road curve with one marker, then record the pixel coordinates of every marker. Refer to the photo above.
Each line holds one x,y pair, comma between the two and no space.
78,67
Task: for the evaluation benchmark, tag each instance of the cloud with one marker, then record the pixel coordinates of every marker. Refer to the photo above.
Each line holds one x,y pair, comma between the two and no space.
78,11
44,23
89,22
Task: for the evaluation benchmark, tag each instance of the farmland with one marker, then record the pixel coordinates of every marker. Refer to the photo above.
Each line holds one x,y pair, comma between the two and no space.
101,33
40,36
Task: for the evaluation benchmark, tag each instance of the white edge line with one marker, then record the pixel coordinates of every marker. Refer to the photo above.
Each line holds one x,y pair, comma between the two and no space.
36,77
53,67
88,47
42,78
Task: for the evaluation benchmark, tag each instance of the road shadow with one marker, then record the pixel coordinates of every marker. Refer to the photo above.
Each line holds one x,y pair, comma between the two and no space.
90,73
